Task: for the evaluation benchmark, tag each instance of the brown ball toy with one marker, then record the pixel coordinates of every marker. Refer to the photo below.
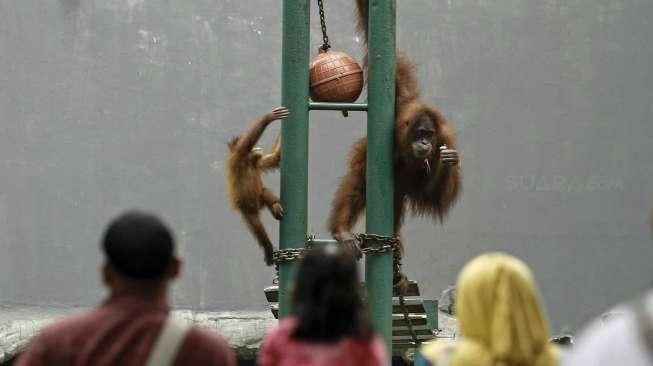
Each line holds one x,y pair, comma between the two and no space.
335,77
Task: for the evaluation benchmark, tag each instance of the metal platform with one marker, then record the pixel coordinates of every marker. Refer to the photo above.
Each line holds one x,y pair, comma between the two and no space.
422,315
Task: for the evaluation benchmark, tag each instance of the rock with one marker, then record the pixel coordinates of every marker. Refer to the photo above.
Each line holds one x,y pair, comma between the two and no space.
447,302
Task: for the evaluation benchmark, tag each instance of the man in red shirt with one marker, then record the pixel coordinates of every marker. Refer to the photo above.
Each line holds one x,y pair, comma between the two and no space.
131,327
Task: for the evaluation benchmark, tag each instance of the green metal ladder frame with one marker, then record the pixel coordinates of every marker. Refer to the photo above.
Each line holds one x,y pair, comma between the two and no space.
380,135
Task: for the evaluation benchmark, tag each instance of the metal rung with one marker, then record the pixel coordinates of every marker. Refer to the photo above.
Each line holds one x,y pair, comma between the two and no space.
424,332
413,307
413,290
323,106
408,301
272,292
401,339
397,319
316,241
416,320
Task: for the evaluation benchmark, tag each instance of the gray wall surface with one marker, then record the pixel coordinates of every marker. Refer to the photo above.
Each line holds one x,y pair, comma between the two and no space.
113,104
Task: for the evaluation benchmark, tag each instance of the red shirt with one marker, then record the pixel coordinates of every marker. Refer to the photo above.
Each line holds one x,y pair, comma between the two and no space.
280,349
121,331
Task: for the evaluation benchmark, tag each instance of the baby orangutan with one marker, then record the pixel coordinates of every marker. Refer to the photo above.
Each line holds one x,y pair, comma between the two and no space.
245,165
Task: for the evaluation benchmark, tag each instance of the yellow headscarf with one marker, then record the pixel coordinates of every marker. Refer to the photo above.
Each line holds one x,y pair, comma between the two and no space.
500,316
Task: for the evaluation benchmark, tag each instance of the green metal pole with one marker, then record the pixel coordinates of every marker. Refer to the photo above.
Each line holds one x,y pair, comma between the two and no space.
380,178
294,130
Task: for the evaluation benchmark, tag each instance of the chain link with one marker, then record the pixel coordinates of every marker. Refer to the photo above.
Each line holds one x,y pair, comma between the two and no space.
409,323
289,255
282,256
325,38
388,243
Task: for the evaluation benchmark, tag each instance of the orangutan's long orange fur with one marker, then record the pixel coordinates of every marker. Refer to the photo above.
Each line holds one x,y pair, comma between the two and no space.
432,194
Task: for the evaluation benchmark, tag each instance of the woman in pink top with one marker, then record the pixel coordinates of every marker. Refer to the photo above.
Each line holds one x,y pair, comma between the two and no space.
329,324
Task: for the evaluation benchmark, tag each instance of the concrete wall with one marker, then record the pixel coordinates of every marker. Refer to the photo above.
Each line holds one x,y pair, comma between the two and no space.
113,104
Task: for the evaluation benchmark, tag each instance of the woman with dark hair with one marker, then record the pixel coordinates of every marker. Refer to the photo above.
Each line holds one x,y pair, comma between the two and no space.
329,324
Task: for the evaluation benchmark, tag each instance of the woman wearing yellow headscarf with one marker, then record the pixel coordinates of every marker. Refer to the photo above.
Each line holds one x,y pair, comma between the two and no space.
500,316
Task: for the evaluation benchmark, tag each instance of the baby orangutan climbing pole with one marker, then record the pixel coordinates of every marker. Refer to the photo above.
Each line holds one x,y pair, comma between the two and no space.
245,166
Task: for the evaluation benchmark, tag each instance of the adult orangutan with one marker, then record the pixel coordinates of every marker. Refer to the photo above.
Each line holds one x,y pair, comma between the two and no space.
426,173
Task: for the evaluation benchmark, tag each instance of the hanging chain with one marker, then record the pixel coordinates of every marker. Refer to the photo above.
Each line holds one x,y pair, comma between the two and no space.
389,243
290,255
409,323
282,256
402,301
325,38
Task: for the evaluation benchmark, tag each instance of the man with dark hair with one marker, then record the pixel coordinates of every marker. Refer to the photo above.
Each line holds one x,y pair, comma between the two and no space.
133,326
